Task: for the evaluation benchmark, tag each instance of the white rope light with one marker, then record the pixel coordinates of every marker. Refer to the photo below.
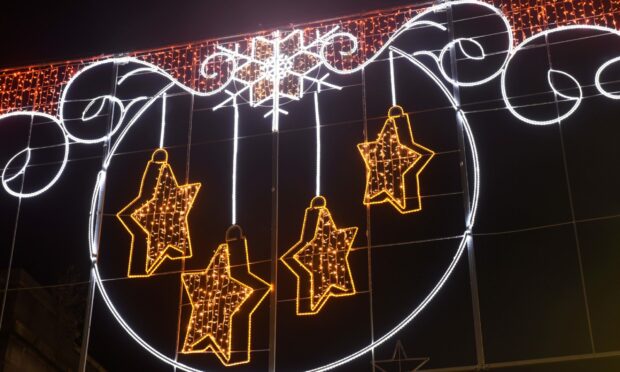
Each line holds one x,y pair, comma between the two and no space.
234,166
317,120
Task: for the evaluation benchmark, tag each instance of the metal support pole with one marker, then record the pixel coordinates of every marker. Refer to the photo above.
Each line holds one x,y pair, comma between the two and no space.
471,257
187,160
12,251
569,191
368,233
87,322
273,300
98,222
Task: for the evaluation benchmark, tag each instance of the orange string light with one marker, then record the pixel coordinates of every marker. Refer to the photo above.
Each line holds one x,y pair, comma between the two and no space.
224,297
388,161
320,259
160,216
38,87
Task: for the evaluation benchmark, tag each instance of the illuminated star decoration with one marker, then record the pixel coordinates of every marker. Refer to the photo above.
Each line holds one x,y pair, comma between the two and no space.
388,160
400,361
161,216
319,259
224,297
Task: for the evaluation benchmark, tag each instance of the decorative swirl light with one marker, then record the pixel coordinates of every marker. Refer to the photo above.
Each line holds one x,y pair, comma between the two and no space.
576,100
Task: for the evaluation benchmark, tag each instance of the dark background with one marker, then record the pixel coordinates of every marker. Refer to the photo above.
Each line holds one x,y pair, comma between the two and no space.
547,225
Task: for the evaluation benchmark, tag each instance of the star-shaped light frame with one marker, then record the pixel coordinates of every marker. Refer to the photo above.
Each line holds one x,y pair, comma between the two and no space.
229,263
400,361
308,302
388,151
161,216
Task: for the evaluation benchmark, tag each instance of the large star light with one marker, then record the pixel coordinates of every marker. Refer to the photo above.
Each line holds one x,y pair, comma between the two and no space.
319,259
160,215
223,298
388,160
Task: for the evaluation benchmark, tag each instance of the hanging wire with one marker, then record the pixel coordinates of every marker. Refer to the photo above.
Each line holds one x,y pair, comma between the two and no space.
317,119
162,134
392,84
234,166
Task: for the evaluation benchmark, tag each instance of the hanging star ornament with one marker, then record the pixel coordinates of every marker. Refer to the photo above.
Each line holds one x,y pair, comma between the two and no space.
389,159
160,216
223,298
319,259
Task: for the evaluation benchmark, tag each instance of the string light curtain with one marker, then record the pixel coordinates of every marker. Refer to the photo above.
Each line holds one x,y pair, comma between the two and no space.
38,87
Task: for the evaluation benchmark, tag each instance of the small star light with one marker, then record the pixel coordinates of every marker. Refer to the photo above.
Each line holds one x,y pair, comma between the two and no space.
388,160
162,216
224,296
319,259
400,361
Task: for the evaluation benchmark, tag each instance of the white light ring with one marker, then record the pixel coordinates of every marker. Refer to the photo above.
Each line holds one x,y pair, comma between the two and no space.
416,22
577,100
65,159
399,326
353,356
597,79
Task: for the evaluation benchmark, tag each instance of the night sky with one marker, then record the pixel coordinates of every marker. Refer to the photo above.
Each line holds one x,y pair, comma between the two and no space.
546,236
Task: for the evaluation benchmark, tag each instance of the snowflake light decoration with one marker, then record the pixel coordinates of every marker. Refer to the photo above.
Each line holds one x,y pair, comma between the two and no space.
276,70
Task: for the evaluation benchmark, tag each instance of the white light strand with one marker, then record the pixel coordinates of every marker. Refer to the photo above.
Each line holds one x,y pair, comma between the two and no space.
234,166
317,120
392,84
162,134
275,123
